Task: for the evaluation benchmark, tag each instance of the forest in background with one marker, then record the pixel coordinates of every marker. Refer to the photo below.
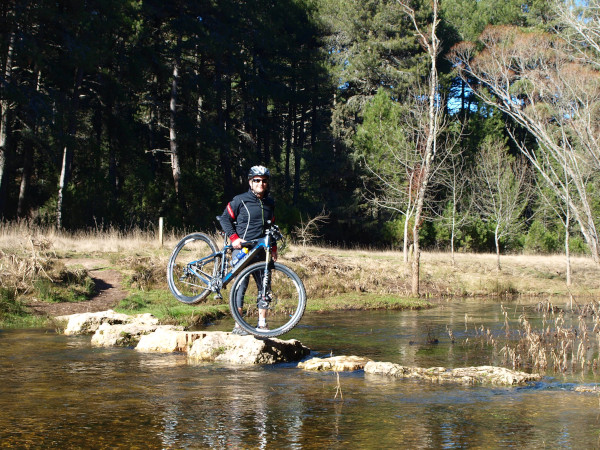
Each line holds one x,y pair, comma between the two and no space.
115,113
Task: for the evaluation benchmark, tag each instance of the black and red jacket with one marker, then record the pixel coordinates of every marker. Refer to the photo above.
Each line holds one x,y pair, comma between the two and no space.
246,216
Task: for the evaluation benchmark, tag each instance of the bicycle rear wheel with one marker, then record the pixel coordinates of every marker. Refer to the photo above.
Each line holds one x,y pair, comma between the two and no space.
192,266
285,299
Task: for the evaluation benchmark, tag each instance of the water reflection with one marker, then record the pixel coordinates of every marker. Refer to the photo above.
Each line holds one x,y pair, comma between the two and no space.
58,391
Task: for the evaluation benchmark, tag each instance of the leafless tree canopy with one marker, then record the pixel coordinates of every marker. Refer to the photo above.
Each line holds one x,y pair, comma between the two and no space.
503,190
537,80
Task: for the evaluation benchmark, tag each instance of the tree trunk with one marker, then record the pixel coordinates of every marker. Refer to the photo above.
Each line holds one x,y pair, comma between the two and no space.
314,118
416,263
567,233
497,242
67,159
62,184
453,230
27,161
25,176
431,44
568,256
266,133
175,166
4,112
405,245
290,138
225,153
298,148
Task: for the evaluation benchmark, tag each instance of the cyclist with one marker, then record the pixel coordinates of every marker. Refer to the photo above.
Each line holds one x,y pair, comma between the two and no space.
245,218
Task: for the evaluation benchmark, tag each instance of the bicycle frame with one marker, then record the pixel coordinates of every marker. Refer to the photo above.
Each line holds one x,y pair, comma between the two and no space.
222,278
279,292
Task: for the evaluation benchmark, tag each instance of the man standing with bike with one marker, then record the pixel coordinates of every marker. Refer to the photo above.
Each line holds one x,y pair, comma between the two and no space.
245,218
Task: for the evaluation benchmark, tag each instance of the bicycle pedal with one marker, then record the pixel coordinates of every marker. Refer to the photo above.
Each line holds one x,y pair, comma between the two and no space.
218,297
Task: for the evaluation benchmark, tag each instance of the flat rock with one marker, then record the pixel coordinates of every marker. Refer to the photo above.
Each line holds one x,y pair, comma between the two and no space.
165,340
226,347
335,363
594,389
88,323
466,375
125,334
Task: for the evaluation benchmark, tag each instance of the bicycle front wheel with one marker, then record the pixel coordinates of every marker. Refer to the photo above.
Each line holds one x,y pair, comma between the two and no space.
192,267
283,302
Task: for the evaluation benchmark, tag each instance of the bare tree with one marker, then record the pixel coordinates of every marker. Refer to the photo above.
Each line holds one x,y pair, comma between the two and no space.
459,203
535,79
580,26
308,230
406,139
392,134
503,190
562,210
431,126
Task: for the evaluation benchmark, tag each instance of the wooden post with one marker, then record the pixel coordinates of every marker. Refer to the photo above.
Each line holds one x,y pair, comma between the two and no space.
161,223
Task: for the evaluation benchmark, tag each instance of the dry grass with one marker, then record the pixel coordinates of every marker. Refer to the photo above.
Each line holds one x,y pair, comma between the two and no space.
565,340
326,271
31,271
476,274
338,271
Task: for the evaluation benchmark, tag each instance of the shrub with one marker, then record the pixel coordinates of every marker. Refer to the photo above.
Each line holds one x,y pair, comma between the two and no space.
540,239
10,305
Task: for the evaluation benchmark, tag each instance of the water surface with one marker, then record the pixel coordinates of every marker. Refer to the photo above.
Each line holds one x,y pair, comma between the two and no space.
59,392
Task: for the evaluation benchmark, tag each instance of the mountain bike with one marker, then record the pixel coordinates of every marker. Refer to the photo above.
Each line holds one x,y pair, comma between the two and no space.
198,268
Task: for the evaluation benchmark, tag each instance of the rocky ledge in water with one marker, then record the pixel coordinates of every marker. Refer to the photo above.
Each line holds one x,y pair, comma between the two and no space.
592,389
465,375
88,323
223,347
145,334
231,348
111,329
335,363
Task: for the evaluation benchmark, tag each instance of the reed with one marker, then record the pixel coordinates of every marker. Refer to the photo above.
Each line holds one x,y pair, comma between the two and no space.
565,341
338,388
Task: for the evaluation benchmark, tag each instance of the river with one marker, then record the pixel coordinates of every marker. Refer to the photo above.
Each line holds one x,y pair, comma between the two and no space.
59,392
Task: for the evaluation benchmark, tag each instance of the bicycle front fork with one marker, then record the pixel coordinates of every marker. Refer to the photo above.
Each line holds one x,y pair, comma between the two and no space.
265,294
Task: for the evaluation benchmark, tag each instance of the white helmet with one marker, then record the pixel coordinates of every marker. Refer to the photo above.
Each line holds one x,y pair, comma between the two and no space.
260,171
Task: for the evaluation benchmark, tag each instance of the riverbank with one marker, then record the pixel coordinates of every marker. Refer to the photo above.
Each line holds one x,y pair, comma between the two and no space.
43,270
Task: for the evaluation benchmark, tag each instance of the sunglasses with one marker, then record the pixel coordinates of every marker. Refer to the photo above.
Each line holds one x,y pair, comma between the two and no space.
258,180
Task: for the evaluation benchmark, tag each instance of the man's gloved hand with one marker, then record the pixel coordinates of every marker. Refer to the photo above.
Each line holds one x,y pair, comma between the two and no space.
237,244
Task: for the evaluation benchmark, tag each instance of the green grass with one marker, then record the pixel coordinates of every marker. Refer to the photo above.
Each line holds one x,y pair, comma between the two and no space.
74,287
24,322
163,306
361,301
14,314
167,310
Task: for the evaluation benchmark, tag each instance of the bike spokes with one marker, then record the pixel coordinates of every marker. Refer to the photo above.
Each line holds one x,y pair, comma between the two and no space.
282,302
191,268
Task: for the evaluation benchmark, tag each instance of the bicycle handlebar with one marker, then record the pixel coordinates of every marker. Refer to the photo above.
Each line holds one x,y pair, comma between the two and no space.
273,231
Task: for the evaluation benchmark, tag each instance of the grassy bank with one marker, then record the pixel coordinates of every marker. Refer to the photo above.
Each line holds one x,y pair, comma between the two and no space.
48,266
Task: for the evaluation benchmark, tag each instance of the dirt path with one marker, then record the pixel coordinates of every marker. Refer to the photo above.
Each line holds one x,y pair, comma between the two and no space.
108,291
